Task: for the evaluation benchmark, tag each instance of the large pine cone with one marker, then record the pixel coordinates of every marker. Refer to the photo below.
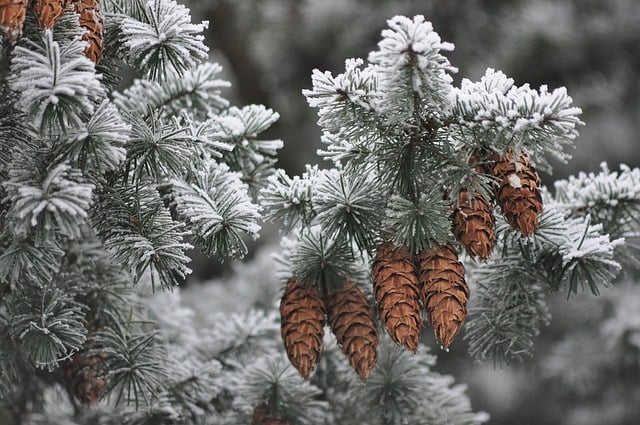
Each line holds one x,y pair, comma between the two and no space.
473,224
86,376
395,287
302,314
351,320
91,19
261,416
12,15
518,193
444,291
47,12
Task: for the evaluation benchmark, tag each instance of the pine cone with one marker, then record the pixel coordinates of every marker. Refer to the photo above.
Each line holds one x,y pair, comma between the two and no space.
86,376
261,417
91,19
302,313
518,194
473,223
12,14
395,287
47,12
444,291
351,320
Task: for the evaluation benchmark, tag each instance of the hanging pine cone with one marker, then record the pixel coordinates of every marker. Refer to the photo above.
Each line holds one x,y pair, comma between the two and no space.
444,291
12,14
395,287
351,320
518,194
91,20
473,224
86,376
47,12
302,314
261,416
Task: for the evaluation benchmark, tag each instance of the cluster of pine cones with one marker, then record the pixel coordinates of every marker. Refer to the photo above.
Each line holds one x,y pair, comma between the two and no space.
404,284
47,12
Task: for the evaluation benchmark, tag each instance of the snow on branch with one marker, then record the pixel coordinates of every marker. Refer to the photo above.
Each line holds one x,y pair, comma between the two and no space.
216,207
198,90
539,120
166,42
56,82
408,63
57,201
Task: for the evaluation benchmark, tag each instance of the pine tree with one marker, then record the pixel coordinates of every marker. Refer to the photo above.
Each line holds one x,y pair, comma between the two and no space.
105,190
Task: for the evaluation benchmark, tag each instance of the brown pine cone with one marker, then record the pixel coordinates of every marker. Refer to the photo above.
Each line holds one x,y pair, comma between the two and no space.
47,12
395,287
302,314
261,417
91,19
473,224
518,193
351,320
444,291
86,376
12,15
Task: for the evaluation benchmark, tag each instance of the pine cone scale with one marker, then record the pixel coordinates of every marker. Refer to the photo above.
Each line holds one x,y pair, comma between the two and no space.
12,16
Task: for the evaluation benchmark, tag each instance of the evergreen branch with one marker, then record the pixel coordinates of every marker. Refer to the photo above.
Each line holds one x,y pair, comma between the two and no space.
56,82
165,42
418,225
157,149
135,361
197,89
239,127
47,322
540,121
100,147
54,201
324,262
289,198
23,261
508,312
217,209
608,198
273,381
136,226
410,66
346,101
348,207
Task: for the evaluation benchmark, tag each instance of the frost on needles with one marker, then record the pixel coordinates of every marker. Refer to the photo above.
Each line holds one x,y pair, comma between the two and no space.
101,190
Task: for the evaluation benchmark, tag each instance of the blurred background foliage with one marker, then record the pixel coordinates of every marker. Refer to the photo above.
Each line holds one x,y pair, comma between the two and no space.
587,363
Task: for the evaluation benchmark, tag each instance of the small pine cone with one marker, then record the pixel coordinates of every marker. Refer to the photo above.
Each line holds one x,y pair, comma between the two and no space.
302,314
444,291
518,194
351,320
395,287
47,12
261,417
473,224
12,15
86,376
91,20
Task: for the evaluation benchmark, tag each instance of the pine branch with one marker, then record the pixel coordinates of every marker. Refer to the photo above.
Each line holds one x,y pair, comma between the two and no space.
197,90
413,75
164,41
134,224
217,209
56,83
